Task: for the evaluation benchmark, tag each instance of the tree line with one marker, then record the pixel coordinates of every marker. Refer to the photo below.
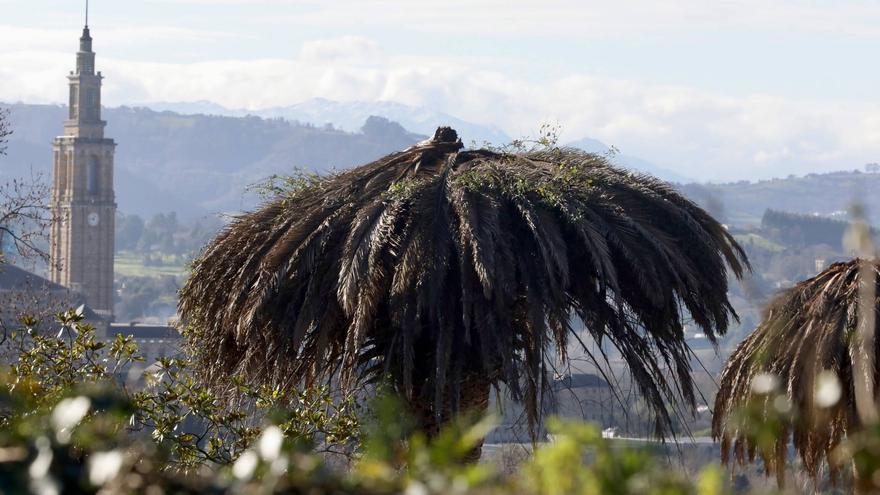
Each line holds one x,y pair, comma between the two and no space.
163,233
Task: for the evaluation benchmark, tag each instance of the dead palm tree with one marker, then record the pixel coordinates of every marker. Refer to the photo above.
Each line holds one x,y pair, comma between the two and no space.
806,347
450,271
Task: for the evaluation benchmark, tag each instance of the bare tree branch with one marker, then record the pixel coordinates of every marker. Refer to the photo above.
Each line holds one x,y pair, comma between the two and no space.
5,129
25,218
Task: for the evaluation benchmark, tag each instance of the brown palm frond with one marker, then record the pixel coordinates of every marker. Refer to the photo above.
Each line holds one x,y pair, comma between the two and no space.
807,330
436,264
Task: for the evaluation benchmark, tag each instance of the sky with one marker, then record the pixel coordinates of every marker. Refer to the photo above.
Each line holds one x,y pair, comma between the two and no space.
713,90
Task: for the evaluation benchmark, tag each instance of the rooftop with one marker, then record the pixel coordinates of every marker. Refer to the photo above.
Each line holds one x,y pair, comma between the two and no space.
16,278
579,380
141,331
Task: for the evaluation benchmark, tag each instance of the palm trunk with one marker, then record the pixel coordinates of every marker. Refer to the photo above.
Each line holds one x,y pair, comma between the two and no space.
475,391
473,399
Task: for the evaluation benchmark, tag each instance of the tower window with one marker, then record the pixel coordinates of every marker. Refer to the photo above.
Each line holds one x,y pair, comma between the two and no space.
92,176
72,105
91,103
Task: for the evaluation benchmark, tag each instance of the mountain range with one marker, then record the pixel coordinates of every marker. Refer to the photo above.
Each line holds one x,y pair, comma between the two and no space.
627,161
350,116
199,164
204,163
202,159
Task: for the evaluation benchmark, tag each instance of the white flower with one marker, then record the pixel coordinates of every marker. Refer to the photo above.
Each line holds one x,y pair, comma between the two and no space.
828,389
45,486
245,465
279,466
764,383
67,414
782,404
104,466
270,442
416,488
40,466
42,483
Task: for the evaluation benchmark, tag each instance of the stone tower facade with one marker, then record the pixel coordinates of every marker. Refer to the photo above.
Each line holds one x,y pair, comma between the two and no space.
83,201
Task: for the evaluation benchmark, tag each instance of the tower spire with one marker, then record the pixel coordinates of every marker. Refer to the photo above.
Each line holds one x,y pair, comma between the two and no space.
87,14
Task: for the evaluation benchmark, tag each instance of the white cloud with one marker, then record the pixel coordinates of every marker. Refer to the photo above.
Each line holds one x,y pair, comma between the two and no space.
696,132
34,76
355,49
16,38
771,155
583,18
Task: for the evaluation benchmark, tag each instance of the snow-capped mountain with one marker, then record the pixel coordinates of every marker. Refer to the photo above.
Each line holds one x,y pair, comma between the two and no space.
591,145
351,115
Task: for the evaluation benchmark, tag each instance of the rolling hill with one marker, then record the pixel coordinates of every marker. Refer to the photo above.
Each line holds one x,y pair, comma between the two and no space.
203,164
199,164
830,194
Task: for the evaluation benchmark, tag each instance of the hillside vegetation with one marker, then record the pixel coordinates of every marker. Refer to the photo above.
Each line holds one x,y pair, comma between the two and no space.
744,203
199,164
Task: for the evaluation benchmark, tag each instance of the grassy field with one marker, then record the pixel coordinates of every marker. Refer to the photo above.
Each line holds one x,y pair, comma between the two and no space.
133,265
746,239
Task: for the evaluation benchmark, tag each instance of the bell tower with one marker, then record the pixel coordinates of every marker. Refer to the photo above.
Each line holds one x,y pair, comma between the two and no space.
83,201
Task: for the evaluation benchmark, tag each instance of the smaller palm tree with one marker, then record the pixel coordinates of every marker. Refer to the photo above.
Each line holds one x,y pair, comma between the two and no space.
798,373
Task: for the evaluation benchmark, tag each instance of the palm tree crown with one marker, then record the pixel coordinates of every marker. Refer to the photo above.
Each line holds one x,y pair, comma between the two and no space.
806,348
449,270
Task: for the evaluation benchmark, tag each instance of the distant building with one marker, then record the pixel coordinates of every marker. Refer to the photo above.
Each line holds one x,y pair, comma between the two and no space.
23,293
784,284
580,396
153,341
83,201
82,244
586,397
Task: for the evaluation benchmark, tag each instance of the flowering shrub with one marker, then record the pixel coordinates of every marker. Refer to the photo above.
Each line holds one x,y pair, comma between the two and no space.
80,446
69,426
193,424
